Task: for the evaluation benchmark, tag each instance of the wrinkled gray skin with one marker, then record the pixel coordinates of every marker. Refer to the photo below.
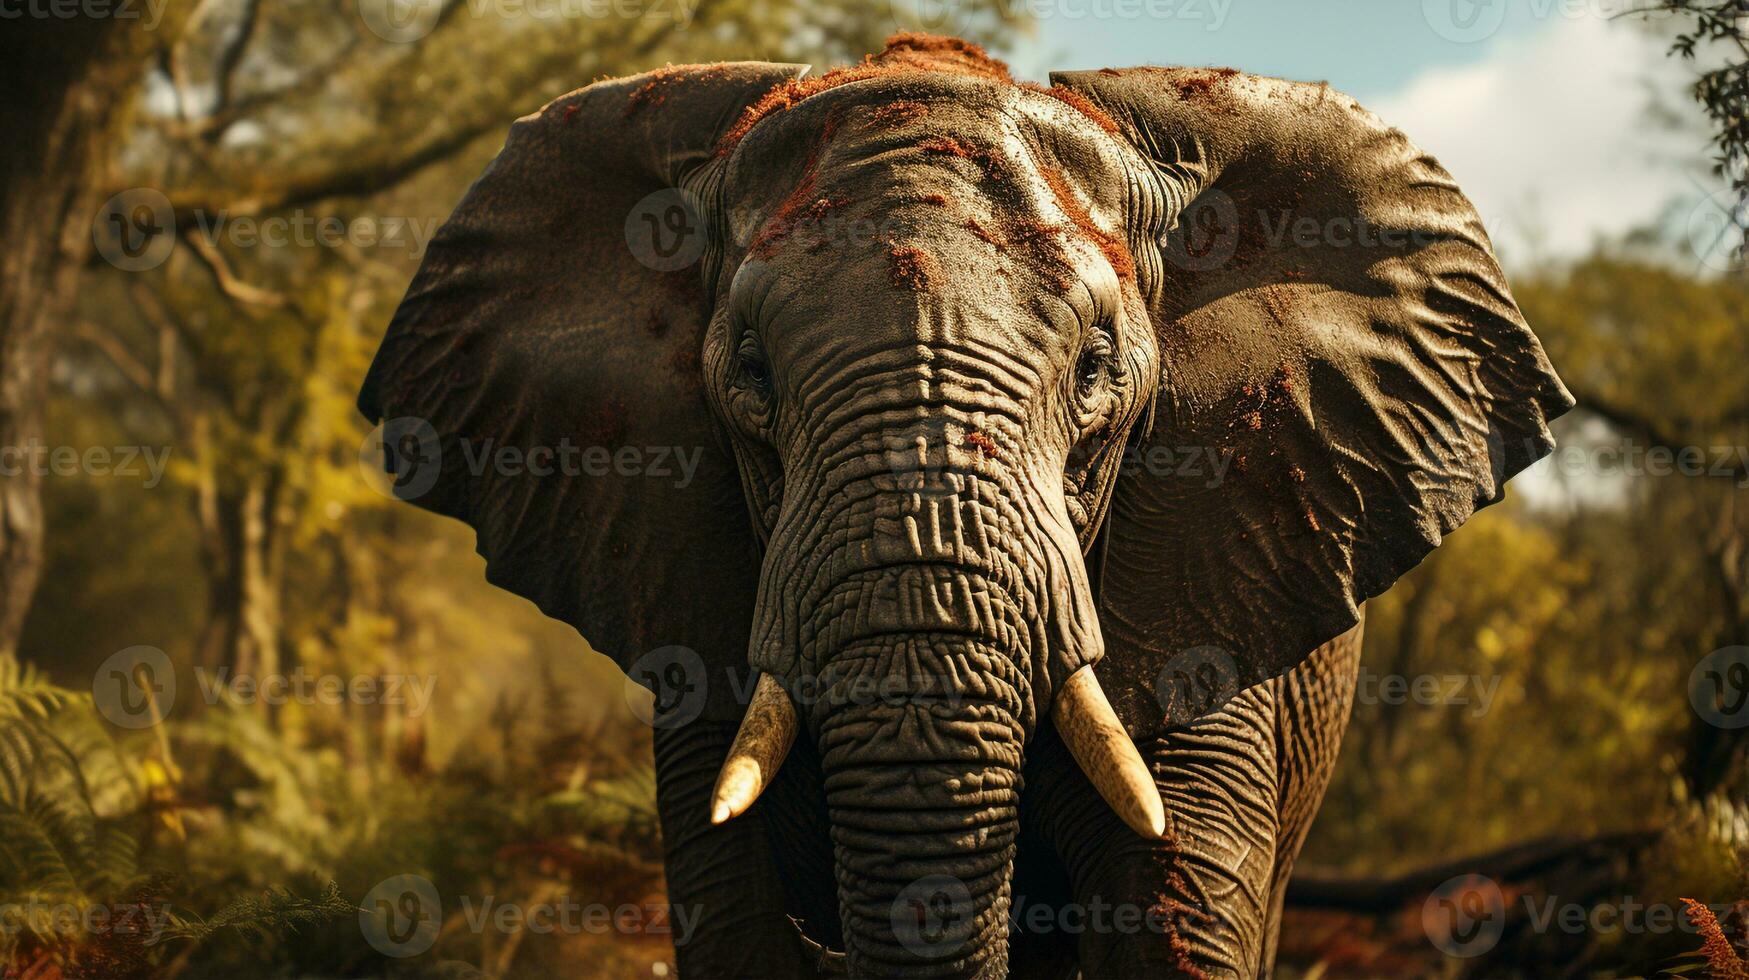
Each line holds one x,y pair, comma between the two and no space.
911,482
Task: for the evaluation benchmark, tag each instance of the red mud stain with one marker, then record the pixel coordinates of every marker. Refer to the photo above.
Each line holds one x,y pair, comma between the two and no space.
950,146
1170,912
788,214
977,228
898,113
1278,302
1111,246
1192,87
910,267
939,200
1078,102
985,445
903,53
659,83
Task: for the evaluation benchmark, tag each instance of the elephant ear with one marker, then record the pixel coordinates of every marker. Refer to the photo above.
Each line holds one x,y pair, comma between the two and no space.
1345,379
541,381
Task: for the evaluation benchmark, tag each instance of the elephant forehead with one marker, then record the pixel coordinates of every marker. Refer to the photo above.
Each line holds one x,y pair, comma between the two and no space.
937,196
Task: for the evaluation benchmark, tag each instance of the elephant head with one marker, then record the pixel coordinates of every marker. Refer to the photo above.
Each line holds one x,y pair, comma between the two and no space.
928,335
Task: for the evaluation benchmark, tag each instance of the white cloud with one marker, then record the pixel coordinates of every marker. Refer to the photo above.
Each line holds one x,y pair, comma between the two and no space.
1551,135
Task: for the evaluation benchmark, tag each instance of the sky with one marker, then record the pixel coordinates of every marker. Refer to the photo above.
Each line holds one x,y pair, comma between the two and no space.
1541,109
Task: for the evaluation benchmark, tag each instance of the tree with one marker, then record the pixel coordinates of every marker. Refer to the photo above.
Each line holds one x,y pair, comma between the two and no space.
69,85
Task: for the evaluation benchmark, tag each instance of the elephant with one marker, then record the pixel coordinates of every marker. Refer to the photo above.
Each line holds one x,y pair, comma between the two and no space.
1048,441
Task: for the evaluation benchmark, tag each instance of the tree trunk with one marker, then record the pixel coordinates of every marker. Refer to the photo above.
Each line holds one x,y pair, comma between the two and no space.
69,84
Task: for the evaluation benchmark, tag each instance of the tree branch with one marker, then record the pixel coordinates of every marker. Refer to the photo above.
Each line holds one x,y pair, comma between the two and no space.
215,262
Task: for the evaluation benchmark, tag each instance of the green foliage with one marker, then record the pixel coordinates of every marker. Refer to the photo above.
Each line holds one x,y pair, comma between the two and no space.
1584,600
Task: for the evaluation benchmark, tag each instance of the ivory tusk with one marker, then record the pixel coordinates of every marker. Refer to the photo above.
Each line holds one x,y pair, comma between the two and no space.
767,731
1089,727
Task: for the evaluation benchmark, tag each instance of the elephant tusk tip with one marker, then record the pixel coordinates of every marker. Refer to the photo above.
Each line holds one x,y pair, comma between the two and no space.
1153,823
737,788
1096,738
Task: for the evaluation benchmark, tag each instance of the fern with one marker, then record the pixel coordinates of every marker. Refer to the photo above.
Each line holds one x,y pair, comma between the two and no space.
262,917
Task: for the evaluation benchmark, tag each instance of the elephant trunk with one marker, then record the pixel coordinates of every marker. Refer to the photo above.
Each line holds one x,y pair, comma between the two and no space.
919,606
931,630
923,793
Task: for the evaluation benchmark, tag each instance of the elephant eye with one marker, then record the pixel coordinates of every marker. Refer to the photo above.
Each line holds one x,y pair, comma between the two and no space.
753,370
1091,368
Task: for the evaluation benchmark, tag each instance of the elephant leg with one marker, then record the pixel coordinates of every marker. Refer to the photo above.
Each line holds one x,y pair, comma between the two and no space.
722,879
1312,713
1240,786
